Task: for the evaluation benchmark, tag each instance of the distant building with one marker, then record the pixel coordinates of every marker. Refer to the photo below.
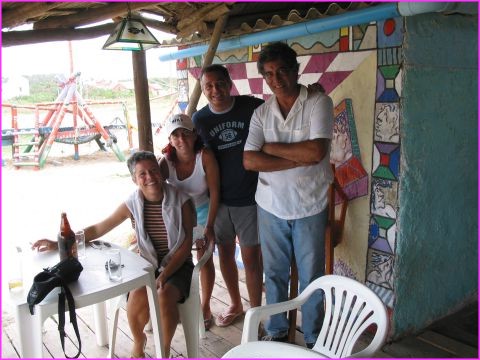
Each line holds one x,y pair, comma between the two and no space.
124,85
14,86
157,90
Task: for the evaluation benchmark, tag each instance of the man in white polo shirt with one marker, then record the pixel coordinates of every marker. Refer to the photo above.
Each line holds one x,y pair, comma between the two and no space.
289,144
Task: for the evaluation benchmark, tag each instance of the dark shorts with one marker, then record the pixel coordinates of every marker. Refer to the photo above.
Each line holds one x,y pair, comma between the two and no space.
182,279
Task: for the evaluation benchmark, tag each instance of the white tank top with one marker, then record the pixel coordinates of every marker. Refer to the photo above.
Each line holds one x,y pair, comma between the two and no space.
195,185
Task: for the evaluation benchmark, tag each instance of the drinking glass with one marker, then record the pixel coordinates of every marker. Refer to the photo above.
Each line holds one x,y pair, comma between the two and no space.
15,276
80,239
114,265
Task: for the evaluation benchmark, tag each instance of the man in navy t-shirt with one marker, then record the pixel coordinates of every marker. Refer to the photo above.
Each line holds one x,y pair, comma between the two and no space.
223,125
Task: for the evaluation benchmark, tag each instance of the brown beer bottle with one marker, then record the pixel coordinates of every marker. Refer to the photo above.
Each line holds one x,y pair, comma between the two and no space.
67,246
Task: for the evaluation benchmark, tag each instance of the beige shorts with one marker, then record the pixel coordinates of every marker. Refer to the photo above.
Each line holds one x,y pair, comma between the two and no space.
233,221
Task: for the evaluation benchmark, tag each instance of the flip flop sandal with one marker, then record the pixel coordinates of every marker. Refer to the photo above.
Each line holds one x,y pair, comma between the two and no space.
227,319
142,355
208,322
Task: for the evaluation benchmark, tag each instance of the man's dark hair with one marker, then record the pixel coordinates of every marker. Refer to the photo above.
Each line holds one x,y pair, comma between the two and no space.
137,157
222,70
277,51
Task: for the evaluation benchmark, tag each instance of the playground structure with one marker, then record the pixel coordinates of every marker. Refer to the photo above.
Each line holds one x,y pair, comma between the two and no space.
48,130
159,126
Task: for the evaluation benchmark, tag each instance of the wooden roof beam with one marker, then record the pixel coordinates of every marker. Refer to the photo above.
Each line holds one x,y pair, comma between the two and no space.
22,13
160,26
165,10
199,27
93,15
12,38
210,12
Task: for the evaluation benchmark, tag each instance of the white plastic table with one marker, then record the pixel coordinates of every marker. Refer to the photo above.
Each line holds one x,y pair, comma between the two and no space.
92,288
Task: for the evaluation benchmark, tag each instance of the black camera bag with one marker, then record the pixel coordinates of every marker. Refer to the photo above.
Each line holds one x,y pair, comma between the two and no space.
60,275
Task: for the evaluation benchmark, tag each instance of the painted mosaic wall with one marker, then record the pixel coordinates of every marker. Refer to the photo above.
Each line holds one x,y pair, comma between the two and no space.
360,69
386,161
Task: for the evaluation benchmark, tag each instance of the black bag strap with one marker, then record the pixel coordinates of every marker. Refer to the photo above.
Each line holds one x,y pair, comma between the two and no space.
66,293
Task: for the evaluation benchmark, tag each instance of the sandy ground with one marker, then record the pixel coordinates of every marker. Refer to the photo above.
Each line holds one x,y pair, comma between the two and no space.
88,190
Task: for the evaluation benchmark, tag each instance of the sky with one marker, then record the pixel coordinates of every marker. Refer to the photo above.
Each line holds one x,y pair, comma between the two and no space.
88,58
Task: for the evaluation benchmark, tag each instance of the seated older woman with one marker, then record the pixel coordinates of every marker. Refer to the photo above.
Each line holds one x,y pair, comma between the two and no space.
163,221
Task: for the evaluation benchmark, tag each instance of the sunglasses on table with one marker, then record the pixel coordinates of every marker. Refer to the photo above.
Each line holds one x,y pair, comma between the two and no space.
99,244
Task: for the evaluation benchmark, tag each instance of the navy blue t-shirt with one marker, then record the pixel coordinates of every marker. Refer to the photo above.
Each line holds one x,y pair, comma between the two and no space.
226,135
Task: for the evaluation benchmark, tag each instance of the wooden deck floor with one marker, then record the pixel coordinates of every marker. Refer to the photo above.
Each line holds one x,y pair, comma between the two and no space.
454,337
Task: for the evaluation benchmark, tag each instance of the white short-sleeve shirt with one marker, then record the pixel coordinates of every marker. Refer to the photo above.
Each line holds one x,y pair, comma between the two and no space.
302,191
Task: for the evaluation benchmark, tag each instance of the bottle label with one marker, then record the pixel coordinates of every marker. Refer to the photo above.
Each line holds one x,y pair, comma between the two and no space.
67,247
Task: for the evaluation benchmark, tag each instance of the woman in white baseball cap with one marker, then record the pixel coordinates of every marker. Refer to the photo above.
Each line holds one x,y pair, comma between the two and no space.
192,168
178,121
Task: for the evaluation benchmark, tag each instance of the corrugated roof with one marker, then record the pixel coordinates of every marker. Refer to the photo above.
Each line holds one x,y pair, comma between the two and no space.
297,14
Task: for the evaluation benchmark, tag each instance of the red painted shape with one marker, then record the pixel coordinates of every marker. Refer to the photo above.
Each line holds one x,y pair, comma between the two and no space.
389,27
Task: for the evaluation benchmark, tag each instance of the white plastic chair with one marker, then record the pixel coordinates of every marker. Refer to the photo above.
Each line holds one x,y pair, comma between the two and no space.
191,315
350,308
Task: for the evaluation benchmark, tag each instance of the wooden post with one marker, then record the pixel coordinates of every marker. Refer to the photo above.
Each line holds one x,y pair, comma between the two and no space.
76,155
142,101
330,231
217,34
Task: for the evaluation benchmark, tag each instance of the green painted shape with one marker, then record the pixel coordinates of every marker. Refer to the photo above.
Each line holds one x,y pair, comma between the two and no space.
383,222
353,128
384,173
389,71
436,264
198,60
